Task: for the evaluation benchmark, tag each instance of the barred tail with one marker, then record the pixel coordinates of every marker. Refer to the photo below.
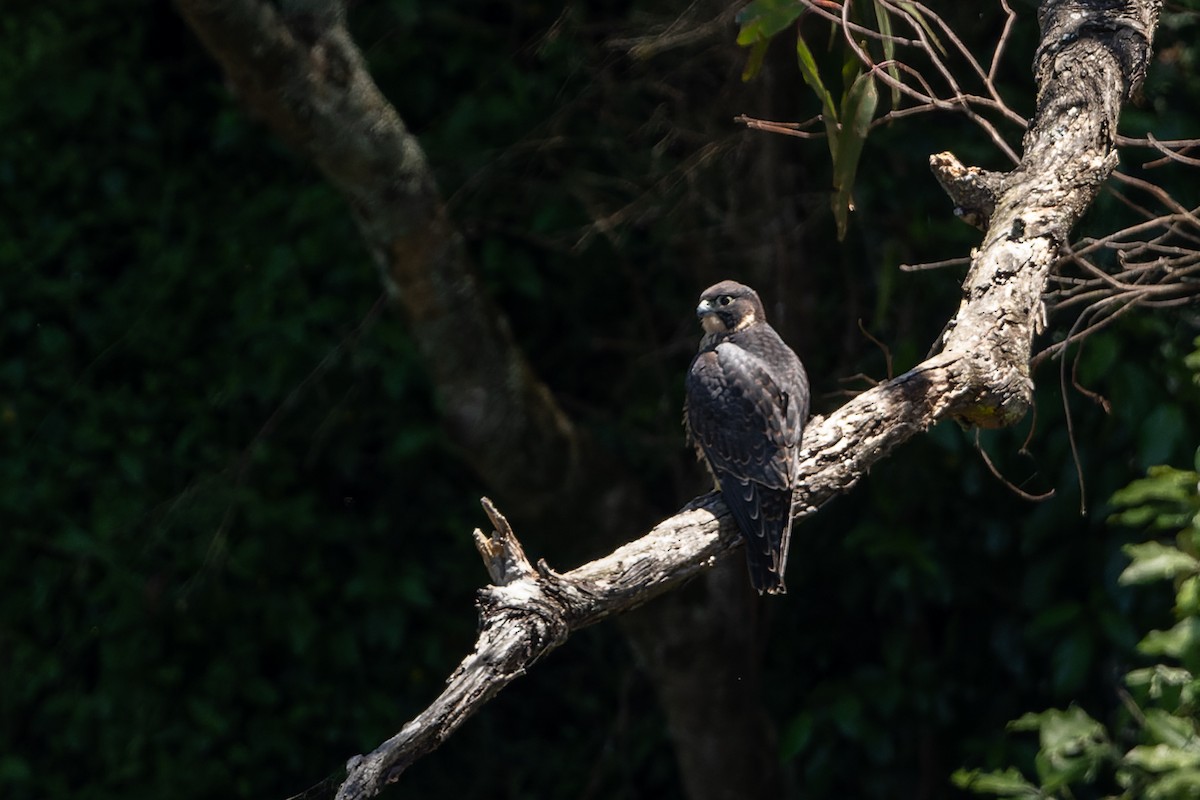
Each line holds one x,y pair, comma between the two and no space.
764,516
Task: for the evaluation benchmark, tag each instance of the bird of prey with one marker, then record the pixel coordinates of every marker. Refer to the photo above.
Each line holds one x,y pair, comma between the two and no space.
747,401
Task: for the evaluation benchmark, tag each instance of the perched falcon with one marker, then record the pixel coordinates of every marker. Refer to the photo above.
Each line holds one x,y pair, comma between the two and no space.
747,400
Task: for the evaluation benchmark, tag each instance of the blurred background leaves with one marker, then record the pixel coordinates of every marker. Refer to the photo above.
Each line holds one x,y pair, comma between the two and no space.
237,541
1150,747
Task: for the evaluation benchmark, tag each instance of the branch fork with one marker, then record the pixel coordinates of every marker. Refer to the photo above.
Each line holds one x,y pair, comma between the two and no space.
981,377
502,554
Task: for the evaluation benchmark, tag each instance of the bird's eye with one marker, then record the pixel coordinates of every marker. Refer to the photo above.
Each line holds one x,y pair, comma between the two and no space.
724,300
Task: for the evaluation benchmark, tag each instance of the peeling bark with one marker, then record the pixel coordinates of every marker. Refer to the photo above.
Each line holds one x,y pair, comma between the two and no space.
294,66
524,619
1093,55
308,81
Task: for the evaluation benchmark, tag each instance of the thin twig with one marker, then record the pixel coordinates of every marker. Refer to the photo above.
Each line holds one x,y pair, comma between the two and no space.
958,261
1036,498
887,353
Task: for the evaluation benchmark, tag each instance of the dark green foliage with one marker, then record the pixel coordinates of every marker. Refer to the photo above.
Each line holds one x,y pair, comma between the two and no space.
1151,749
846,122
236,541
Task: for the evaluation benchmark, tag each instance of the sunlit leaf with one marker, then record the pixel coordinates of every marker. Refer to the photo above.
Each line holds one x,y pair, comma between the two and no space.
1155,679
1160,483
858,109
1180,783
754,62
1073,745
884,20
762,19
1162,757
1154,561
1009,783
1166,499
1187,597
1058,728
812,77
1192,362
1179,641
1169,730
1139,517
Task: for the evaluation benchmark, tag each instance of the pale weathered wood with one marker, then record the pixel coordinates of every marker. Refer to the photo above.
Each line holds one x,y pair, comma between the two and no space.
1092,57
310,82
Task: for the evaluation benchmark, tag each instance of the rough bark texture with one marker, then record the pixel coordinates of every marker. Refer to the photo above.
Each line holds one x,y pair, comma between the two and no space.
295,66
305,76
1092,57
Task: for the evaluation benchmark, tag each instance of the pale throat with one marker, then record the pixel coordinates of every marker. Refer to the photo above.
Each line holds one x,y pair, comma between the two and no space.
711,323
746,322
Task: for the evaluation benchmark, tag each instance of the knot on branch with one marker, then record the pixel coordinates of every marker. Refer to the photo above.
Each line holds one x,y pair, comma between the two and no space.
973,190
995,401
520,623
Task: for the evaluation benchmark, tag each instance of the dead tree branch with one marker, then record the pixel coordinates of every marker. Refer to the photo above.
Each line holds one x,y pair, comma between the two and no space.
524,618
310,83
1159,254
294,66
920,70
1089,63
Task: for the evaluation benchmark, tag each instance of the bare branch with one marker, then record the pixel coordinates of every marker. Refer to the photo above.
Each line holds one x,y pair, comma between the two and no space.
958,261
1012,487
909,81
1010,19
503,555
1171,148
796,129
981,377
306,78
1171,154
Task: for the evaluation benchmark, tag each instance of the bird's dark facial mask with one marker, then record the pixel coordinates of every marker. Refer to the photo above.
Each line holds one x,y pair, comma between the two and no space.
714,313
724,313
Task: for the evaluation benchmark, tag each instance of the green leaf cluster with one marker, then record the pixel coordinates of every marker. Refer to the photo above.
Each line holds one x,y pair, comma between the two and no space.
847,120
235,534
1153,750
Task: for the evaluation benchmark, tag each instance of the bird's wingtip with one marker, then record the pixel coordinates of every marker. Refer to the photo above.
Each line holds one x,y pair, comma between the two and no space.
767,583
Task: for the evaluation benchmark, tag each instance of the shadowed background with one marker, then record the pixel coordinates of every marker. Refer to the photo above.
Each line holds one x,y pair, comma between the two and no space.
237,540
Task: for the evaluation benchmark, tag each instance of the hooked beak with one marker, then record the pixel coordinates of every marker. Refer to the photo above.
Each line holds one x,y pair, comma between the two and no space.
707,314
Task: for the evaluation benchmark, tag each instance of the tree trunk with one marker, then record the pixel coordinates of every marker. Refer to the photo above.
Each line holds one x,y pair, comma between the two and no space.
299,71
308,80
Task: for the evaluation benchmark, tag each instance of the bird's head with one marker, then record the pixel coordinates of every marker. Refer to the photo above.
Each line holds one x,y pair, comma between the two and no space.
729,306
